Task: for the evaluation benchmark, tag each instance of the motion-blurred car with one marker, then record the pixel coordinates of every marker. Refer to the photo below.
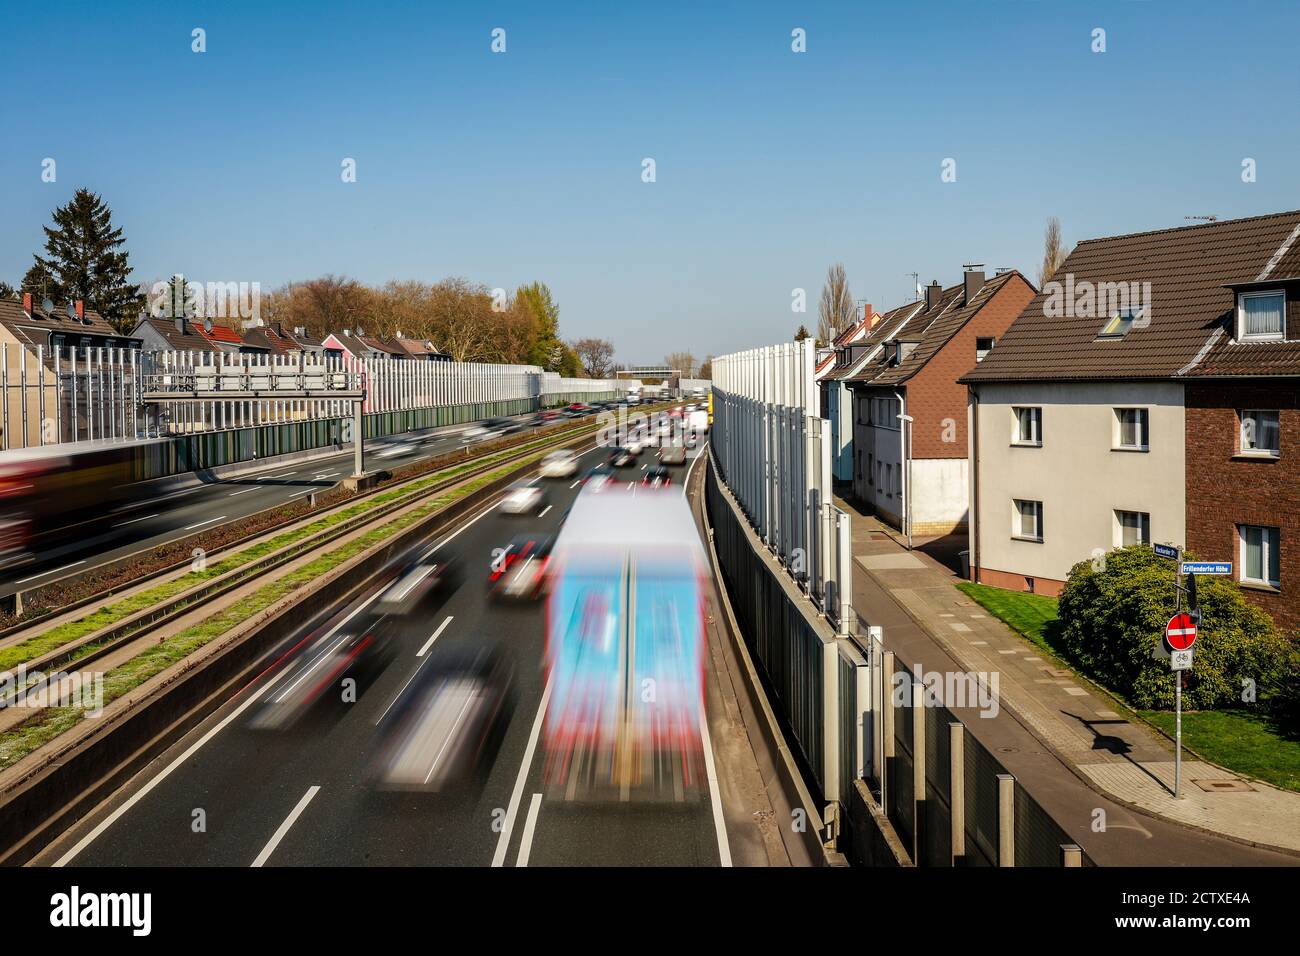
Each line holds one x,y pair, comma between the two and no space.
522,498
634,444
503,426
396,449
657,477
519,570
672,455
598,477
446,724
475,433
314,675
549,415
698,422
412,586
621,457
559,464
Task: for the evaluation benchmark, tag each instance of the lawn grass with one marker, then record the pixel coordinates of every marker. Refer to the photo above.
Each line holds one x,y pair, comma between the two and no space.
49,723
1032,616
1244,742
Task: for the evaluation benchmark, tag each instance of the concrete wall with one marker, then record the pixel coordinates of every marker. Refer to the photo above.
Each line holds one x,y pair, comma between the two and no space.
1076,473
939,495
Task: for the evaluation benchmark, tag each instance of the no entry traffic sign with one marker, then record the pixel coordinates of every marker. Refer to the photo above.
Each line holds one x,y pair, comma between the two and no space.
1180,632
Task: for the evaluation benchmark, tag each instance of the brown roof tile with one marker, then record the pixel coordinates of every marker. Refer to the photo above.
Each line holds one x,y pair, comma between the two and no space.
1188,329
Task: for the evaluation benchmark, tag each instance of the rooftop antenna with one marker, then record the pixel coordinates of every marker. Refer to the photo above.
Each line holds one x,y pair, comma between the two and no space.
1202,218
916,285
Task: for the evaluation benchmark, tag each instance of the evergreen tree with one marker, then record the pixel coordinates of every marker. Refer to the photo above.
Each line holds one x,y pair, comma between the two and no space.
6,290
548,351
40,283
84,257
802,334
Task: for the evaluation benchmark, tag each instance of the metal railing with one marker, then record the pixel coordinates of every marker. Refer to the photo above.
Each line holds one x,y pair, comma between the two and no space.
75,394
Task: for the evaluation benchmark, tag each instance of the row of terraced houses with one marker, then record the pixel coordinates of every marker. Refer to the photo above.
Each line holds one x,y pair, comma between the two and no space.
1149,392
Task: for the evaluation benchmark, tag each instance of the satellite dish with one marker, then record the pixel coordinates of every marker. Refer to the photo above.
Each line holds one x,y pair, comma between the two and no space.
72,311
360,331
207,325
47,305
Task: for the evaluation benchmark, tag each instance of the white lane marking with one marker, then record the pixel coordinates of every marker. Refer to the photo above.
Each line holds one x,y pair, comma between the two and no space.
273,477
694,460
719,824
305,491
320,658
645,466
144,791
575,484
530,824
52,571
544,510
400,693
123,524
503,841
202,523
244,492
284,827
428,644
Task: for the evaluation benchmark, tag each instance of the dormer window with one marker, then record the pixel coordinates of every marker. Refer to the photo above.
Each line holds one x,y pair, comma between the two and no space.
1118,325
1261,317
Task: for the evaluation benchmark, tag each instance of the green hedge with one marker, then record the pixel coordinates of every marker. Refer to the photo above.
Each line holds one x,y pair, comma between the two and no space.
1114,612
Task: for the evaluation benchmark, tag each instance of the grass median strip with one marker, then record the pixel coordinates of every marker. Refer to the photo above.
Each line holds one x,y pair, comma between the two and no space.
47,724
70,631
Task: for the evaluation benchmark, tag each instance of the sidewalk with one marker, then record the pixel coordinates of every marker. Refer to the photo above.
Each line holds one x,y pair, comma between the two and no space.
1084,748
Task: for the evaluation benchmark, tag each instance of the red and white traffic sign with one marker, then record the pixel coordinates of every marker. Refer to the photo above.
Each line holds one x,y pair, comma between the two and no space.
1180,632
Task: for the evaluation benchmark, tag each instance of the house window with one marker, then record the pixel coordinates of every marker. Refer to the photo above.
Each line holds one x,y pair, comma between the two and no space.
1259,555
983,346
1134,527
1260,316
1027,520
1261,432
886,479
1131,432
1029,426
56,343
871,469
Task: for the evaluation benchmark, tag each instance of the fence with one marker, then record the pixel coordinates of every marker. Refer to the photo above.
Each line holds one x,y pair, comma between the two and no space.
88,394
950,800
774,452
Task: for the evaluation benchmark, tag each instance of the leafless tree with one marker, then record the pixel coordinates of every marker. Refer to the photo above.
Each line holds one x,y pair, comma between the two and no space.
597,356
837,310
1054,251
684,362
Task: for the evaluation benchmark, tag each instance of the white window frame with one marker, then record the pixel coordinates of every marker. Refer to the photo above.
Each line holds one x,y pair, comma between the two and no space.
1242,334
1144,526
1241,433
1117,436
1016,437
1267,547
1017,531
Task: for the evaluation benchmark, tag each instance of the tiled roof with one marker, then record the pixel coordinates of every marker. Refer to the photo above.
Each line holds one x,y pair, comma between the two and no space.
1188,328
891,320
191,342
938,333
911,328
266,337
219,333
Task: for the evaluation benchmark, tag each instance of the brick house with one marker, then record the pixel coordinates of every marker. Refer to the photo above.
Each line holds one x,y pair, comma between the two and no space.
1173,417
915,477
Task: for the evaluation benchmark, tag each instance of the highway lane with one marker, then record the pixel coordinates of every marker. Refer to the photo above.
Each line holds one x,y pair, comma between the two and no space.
171,515
255,789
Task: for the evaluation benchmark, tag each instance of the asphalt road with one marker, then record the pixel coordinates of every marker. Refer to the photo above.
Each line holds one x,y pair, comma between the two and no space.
169,516
300,798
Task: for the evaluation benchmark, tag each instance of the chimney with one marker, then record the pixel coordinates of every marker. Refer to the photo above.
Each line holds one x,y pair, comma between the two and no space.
180,326
933,293
868,313
974,276
27,303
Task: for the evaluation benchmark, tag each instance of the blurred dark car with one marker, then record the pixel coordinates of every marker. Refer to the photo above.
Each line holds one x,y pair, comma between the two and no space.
599,476
519,570
446,725
503,426
416,583
621,458
657,476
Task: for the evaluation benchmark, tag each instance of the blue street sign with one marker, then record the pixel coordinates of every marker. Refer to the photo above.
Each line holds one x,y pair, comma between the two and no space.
1207,567
1165,551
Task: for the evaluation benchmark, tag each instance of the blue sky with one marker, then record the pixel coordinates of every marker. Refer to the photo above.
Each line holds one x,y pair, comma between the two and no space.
771,165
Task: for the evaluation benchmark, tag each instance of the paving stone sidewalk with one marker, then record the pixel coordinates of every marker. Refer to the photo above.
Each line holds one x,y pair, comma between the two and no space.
1127,761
